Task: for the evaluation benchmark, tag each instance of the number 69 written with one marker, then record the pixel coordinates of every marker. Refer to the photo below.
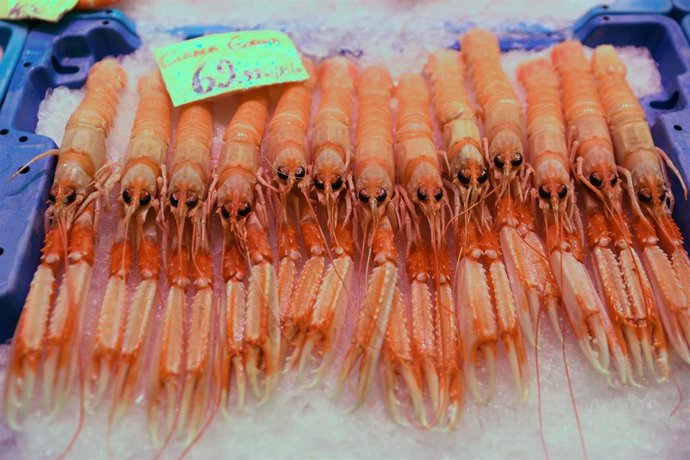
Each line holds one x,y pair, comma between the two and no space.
206,84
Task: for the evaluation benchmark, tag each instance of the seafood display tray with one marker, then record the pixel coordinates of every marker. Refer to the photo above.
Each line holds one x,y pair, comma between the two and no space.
62,54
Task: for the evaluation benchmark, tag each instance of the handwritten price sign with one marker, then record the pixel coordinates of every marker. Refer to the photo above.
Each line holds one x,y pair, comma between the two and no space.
47,10
221,63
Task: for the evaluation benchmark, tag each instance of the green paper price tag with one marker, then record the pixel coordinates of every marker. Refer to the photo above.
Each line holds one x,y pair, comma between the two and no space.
217,64
46,10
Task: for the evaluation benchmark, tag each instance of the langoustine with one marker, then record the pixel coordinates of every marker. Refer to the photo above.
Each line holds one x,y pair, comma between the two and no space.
180,388
49,331
482,289
421,192
622,278
116,355
251,335
289,158
531,279
555,193
374,178
332,176
330,172
642,165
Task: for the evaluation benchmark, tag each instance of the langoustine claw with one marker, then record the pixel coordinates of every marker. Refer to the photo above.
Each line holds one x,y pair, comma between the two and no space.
262,327
400,369
329,308
373,318
232,362
296,318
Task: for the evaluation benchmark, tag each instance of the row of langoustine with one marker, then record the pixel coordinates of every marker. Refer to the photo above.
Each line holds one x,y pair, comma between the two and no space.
516,225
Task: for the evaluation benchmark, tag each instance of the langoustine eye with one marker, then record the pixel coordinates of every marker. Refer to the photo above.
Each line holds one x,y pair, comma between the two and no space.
244,210
516,160
337,183
595,179
282,172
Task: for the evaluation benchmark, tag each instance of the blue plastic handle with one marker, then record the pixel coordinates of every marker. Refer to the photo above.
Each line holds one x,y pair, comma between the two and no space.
12,38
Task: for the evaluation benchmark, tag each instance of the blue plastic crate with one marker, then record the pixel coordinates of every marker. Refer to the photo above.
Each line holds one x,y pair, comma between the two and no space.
54,55
680,8
62,55
627,7
12,38
685,23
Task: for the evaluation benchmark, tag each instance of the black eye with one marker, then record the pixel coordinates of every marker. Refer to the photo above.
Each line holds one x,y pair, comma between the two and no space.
144,199
381,197
299,172
337,183
51,197
363,196
126,196
318,183
662,197
595,180
224,212
192,201
545,194
282,173
71,196
483,176
517,160
562,191
438,194
614,180
644,196
499,161
421,194
464,177
244,209
174,200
